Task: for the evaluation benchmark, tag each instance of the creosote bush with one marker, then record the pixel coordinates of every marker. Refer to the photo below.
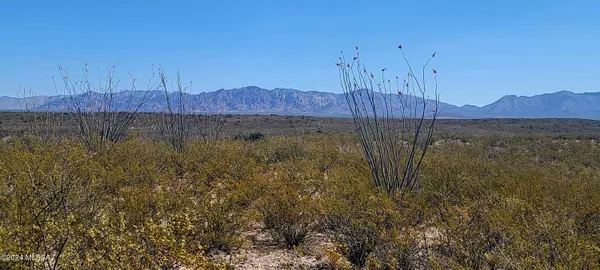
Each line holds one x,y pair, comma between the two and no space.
290,200
358,214
252,137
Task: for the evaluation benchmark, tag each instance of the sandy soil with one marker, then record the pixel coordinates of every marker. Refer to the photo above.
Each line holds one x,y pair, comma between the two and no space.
263,252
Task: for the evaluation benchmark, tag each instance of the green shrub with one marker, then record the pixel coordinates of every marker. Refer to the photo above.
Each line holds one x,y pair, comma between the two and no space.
289,201
357,213
250,137
280,149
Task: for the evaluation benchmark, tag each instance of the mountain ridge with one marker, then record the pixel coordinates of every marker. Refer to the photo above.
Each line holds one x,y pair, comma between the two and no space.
257,100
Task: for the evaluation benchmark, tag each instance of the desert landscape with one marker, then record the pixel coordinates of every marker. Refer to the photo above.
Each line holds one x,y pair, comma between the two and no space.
270,134
494,193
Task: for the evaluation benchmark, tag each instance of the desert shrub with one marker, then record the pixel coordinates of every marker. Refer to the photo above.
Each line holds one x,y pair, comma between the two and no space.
329,150
250,137
356,213
280,149
371,227
49,198
217,181
290,200
229,161
514,211
496,140
222,219
173,224
398,249
164,242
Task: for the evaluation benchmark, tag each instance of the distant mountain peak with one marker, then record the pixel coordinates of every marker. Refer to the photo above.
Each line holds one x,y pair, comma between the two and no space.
252,87
564,92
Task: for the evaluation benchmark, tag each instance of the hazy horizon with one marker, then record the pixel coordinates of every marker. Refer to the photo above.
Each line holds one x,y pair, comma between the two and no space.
485,50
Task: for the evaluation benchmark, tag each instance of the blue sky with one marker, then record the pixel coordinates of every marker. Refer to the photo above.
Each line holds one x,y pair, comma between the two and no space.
485,49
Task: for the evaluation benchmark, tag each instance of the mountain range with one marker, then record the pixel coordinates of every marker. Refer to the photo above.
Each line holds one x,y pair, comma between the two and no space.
256,100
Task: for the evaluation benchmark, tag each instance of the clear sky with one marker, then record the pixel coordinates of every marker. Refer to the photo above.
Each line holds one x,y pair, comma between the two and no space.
485,49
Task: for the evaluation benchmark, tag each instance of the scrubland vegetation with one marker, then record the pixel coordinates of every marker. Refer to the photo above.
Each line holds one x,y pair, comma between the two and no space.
102,194
485,201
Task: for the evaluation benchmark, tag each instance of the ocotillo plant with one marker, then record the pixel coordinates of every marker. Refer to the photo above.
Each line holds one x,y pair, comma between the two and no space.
102,113
390,120
174,125
178,122
212,126
41,123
